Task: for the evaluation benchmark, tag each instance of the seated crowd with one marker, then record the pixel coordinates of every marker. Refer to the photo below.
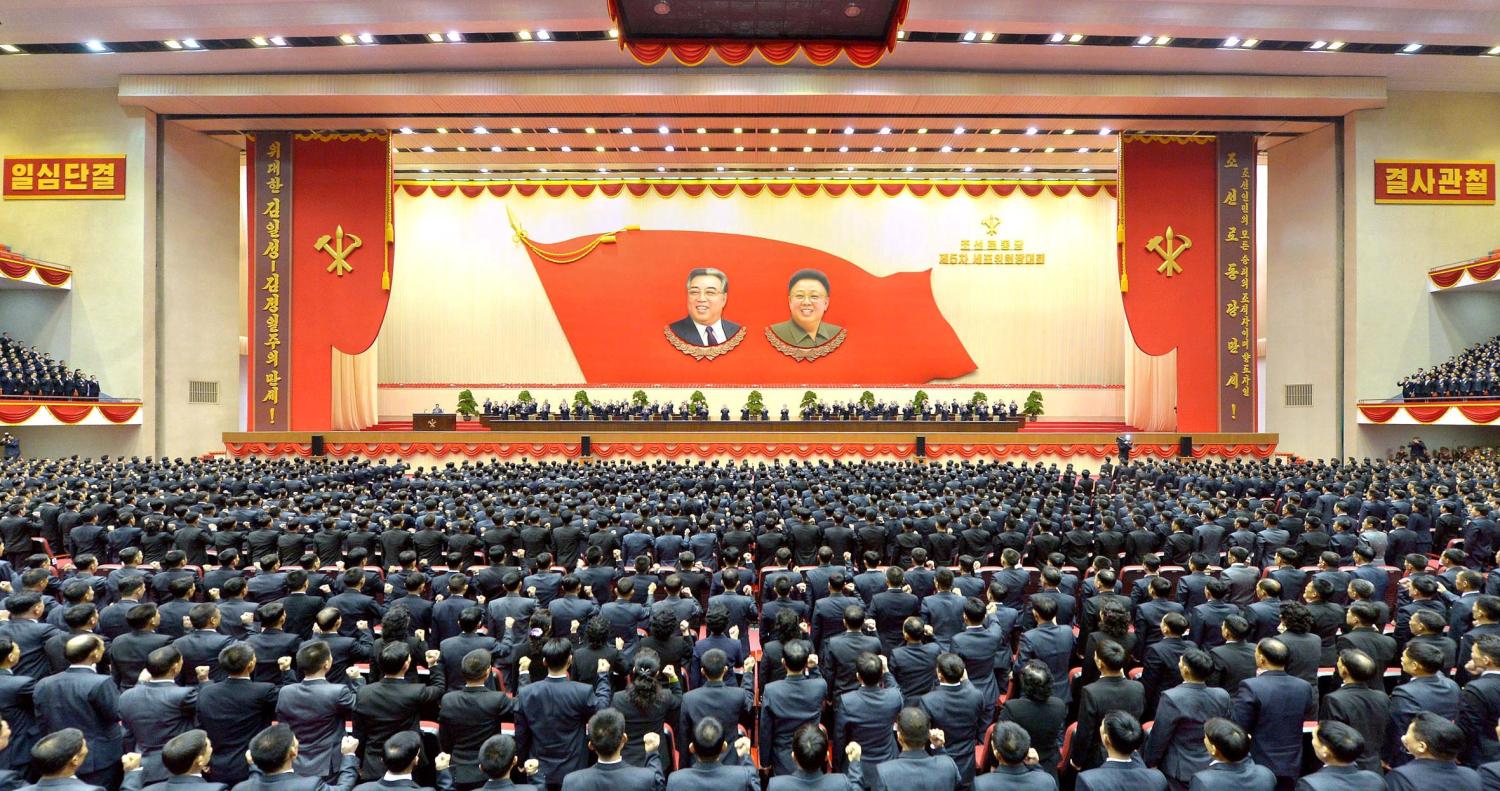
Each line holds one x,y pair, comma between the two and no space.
1474,373
834,410
312,624
26,372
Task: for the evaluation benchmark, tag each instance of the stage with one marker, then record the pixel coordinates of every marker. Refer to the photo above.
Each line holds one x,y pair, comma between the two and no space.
792,440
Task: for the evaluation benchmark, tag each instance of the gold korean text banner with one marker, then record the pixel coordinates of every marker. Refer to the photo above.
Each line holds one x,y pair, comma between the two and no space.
65,177
1434,181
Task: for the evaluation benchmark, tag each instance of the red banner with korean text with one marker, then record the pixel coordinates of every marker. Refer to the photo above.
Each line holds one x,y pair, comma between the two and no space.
268,180
1236,282
65,178
1167,194
334,272
1434,181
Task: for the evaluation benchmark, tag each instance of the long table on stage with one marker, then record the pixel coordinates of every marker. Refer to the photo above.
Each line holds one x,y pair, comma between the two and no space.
703,427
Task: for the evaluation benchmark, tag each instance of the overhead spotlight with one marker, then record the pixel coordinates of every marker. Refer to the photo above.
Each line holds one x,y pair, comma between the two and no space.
1075,38
461,148
1232,41
791,167
1030,130
662,7
807,149
544,35
849,169
843,149
1087,170
614,32
191,43
1249,43
1104,130
95,45
900,35
987,36
980,150
428,149
259,41
1067,131
496,149
946,149
455,36
703,148
599,149
968,168
848,130
773,149
720,168
922,131
436,38
663,130
11,49
603,170
627,131
552,129
1412,47
172,43
541,170
812,130
1162,41
635,149
911,149
531,149
1015,149
970,36
479,130
1145,40
484,170
660,169
278,41
1317,44
588,130
671,148
442,130
366,38
702,130
739,130
958,130
347,38
515,130
1083,150
1335,46
876,150
1026,169
524,35
426,170
405,130
1492,50
1049,149
567,149
885,130
775,131
994,131
1057,38
740,149
909,168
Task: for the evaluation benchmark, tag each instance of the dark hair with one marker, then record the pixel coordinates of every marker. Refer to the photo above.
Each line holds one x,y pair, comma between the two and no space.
645,687
1124,731
1199,664
1228,738
808,274
556,652
606,731
201,616
393,658
402,750
810,747
1275,651
1296,618
794,655
1010,743
1111,654
179,753
269,748
311,656
79,647
1036,681
476,664
497,755
236,658
160,662
1360,666
787,627
55,750
1114,621
1444,739
1346,743
950,668
663,625
708,738
1428,657
913,725
595,632
867,667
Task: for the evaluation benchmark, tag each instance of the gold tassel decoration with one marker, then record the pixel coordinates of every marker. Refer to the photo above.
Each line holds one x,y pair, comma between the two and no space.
385,277
568,257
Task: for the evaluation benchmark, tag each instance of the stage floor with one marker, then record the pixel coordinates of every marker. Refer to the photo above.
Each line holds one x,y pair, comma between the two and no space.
624,441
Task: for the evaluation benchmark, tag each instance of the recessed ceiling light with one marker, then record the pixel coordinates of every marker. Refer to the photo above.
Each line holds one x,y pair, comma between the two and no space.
442,130
1075,38
94,45
1144,40
987,36
1083,150
1104,130
524,35
703,148
627,131
843,149
599,149
1049,149
496,149
347,38
876,150
603,170
739,130
850,169
426,170
552,129
515,130
1249,43
885,130
588,130
1334,46
900,34
671,148
958,130
479,130
1317,44
968,168
1162,41
635,149
922,131
1026,169
541,170
911,149
436,38
567,149
720,168
259,41
366,38
461,148
172,43
812,130
1412,47
1030,130
775,131
773,149
909,168
427,149
970,36
946,149
191,43
1067,131
660,169
614,32
663,129
1057,38
1232,41
980,150
484,170
1015,149
278,41
455,36
791,167
701,130
531,148
10,48
543,35
1087,170
807,149
1492,51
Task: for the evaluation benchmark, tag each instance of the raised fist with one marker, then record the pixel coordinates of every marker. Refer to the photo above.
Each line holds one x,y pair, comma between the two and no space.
853,751
363,626
130,761
434,657
742,746
650,742
603,667
531,767
442,761
347,746
283,663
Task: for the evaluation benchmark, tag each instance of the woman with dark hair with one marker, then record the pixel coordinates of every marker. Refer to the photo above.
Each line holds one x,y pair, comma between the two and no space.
156,542
648,706
1041,713
786,628
1114,624
665,638
596,646
395,627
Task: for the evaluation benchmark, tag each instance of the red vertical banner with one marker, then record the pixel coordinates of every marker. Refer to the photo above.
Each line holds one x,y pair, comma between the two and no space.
342,234
1167,195
1236,282
270,200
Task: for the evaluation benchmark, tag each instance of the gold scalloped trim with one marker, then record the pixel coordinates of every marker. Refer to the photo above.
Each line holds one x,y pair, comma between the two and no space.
704,352
1179,139
340,137
806,355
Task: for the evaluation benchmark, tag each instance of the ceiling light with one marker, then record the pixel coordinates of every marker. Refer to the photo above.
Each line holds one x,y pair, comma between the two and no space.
1104,130
701,130
427,149
970,36
10,48
958,130
980,150
567,149
922,131
775,131
515,130
1232,41
885,130
1075,38
1015,149
588,130
1334,46
876,150
543,35
603,170
364,38
663,129
911,149
1083,150
1144,40
703,148
614,32
909,168
1057,38
635,149
773,149
496,149
1412,47
461,148
172,43
900,35
662,7
552,129
671,148
95,45
484,170
541,170
946,149
1067,131
531,148
812,130
278,41
347,38
599,149
1317,44
1162,41
405,130
1049,149
660,169
720,168
259,41
968,168
843,149
479,130
1492,51
426,170
455,36
850,169
524,35
791,167
987,36
1030,130
1249,43
994,131
1026,169
191,43
436,38
848,130
739,130
807,149
442,130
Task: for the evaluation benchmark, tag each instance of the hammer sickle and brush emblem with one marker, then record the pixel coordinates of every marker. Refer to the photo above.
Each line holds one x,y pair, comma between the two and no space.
1169,246
341,251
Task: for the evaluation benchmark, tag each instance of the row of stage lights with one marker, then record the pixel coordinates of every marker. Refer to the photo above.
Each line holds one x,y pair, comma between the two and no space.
1232,42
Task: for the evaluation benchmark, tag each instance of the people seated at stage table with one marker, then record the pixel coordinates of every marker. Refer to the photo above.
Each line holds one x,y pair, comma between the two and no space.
769,598
822,411
26,372
1473,373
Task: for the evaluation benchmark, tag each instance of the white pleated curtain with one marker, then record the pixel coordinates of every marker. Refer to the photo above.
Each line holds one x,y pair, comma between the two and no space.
356,379
1150,388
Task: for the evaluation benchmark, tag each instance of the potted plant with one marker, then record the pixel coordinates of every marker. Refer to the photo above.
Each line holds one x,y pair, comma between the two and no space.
468,409
1033,407
581,400
809,399
867,399
978,398
525,397
755,403
697,400
638,398
919,400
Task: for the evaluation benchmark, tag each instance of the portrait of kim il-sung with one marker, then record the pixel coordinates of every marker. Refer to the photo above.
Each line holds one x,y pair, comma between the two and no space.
704,327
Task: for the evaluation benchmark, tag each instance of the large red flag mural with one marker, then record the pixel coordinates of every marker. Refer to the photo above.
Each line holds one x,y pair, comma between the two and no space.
616,296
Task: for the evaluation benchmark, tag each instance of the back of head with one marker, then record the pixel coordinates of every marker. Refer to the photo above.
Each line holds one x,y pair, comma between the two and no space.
1124,731
1346,743
810,747
52,754
402,751
271,748
606,731
1010,743
708,738
497,755
1229,739
1444,740
182,750
913,726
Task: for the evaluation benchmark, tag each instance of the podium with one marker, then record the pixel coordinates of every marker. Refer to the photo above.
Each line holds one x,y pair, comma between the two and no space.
427,421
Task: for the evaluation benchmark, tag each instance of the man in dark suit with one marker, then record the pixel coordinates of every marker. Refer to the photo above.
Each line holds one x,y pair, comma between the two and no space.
1272,707
272,643
112,618
1479,702
273,751
401,755
984,645
607,737
393,704
891,607
1160,669
29,633
958,709
316,711
344,651
498,759
1360,703
16,709
1428,690
158,710
1011,745
810,754
1264,614
1434,744
128,652
300,605
551,713
232,711
1337,747
1234,661
709,772
59,758
787,705
467,716
1176,742
1362,635
1230,770
1121,736
915,767
203,645
1148,613
728,705
82,698
705,325
1112,692
1050,643
186,758
354,604
864,716
840,651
